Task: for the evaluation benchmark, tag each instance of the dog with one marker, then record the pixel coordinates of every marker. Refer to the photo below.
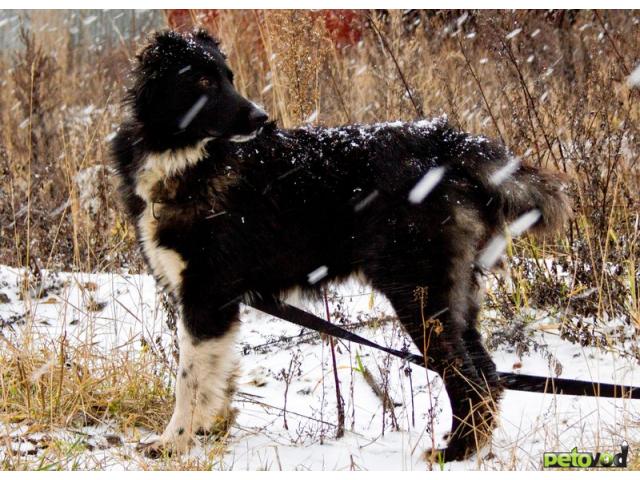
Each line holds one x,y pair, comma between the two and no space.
228,208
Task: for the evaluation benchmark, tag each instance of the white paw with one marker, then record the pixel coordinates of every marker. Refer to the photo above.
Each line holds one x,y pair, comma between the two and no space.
167,445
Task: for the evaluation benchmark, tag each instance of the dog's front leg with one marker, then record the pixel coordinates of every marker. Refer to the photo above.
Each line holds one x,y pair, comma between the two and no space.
206,369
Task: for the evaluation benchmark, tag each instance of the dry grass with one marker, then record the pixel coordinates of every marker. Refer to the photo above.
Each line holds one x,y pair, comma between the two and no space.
55,384
555,92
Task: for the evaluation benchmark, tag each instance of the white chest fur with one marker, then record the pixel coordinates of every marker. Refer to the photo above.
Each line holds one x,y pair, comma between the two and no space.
166,264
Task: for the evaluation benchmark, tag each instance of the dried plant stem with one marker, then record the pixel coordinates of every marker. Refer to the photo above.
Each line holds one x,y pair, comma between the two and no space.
416,105
338,92
531,106
339,401
481,90
613,44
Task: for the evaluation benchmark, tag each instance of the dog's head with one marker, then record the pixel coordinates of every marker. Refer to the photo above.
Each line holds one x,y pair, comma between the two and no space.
183,92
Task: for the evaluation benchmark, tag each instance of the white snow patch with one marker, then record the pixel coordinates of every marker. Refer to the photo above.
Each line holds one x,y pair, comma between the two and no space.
529,423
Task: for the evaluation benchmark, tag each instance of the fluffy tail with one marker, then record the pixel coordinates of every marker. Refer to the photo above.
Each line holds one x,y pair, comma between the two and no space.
520,189
514,189
509,189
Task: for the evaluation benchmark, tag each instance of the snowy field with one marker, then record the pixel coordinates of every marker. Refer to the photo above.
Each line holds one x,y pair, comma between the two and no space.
286,401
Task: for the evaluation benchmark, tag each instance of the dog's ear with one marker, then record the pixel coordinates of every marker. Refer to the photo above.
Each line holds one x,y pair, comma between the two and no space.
143,95
204,36
152,59
153,54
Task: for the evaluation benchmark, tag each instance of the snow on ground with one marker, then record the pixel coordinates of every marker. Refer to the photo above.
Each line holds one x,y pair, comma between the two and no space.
117,311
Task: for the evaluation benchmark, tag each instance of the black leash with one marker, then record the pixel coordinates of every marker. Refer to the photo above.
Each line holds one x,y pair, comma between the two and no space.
511,381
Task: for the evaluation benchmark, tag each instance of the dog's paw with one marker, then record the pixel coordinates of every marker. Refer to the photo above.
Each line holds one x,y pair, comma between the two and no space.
448,454
220,426
154,450
453,452
456,450
164,448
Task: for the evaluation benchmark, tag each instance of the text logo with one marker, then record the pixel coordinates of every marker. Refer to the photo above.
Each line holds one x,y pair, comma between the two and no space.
576,459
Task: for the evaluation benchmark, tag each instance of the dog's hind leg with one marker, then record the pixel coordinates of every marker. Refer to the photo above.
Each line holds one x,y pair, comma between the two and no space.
480,357
434,325
207,368
428,288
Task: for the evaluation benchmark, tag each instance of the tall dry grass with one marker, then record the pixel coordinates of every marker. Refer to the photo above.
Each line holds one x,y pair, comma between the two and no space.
550,85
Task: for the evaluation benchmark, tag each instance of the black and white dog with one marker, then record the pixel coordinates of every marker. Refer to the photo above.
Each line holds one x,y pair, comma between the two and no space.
229,208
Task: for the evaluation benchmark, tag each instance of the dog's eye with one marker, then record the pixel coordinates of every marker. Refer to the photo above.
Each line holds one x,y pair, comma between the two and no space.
204,82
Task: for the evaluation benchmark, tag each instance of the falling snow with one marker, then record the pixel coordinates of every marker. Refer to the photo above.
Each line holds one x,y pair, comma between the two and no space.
193,111
496,246
313,117
426,185
366,201
513,33
505,172
524,222
89,20
492,252
634,78
318,274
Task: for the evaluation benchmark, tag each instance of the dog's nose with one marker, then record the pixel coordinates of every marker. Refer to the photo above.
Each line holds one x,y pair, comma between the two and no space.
258,117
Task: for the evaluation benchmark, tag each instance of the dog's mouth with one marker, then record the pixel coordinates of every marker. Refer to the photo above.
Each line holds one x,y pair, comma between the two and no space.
236,138
245,137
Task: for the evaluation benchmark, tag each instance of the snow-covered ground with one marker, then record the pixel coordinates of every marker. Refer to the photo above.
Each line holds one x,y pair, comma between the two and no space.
287,401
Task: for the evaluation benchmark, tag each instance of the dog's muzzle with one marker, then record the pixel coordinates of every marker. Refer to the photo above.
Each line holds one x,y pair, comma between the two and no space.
258,117
256,120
